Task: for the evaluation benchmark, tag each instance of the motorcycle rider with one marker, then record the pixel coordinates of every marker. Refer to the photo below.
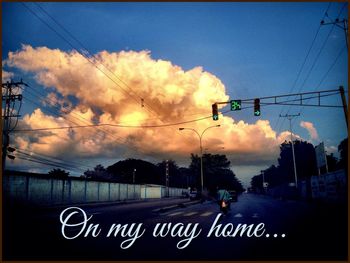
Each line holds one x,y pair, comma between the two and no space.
224,195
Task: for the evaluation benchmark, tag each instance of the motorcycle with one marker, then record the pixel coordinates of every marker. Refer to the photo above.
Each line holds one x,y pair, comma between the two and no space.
224,206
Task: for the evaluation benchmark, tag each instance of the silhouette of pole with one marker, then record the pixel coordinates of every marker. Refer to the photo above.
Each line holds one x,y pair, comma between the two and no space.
200,136
290,117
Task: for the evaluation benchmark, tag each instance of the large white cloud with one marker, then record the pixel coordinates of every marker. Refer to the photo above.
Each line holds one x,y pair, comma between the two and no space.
144,91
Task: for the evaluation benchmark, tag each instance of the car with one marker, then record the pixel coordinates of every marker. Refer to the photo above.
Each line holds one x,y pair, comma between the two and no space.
234,197
194,195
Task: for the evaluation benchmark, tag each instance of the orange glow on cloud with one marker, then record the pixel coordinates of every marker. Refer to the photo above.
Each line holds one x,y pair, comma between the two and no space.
170,95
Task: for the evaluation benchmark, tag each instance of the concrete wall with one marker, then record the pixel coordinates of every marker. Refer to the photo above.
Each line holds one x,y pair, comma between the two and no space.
331,187
47,191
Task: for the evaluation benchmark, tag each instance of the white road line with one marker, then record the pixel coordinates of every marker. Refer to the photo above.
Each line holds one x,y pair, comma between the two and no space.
174,214
207,214
238,215
255,215
96,213
190,214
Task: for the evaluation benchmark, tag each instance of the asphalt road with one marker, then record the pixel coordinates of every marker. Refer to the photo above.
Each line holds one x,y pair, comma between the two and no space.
304,231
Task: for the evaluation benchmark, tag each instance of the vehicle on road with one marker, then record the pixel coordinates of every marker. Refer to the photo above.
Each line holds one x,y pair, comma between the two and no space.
194,195
234,196
224,206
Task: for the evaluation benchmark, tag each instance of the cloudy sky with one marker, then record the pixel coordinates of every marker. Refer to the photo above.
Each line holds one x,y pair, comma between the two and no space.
124,66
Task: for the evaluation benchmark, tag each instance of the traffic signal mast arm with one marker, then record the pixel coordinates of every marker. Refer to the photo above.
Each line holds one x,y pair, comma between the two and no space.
301,98
298,100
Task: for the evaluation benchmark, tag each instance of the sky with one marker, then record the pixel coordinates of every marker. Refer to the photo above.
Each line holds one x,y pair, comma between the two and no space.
159,64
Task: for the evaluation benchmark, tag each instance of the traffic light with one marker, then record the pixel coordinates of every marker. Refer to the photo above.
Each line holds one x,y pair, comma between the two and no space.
257,111
215,112
236,104
11,150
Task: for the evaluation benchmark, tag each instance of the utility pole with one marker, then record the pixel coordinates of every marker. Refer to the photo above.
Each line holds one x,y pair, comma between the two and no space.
133,176
343,25
343,99
10,99
263,179
290,117
167,176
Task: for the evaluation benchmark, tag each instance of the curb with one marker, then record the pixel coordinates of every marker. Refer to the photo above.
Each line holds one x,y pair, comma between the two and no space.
107,203
180,205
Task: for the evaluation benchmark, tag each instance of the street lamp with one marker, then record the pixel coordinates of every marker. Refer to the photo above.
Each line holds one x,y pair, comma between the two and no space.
200,136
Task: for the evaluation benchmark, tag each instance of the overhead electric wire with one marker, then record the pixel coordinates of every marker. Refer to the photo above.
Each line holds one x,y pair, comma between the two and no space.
82,54
45,157
89,52
326,73
65,116
46,163
316,58
163,125
304,62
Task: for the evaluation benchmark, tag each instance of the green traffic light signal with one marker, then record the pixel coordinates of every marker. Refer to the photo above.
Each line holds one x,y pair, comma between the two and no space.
257,111
236,104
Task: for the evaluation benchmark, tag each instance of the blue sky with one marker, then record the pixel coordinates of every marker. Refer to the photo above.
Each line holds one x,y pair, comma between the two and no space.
255,49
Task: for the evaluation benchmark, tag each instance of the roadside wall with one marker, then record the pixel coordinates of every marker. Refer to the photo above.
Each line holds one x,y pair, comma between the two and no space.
49,191
331,187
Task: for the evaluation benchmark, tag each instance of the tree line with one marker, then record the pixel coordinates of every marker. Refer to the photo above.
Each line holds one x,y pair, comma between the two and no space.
306,164
216,173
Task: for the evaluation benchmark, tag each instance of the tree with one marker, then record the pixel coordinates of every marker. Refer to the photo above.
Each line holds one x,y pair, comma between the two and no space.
305,160
216,173
331,162
177,176
343,153
58,173
99,173
124,171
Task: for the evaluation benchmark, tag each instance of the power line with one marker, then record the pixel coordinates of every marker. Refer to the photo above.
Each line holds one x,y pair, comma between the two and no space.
316,58
80,118
330,93
49,158
305,59
81,53
326,74
90,54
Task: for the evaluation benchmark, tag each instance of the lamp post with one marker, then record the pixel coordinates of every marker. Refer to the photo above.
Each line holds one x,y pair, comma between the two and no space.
200,136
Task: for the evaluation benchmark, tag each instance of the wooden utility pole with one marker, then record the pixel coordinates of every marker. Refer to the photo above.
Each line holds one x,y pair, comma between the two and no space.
7,126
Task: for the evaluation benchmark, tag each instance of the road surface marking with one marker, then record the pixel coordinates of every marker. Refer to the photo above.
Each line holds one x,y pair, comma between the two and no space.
255,215
207,214
96,213
174,214
190,214
238,215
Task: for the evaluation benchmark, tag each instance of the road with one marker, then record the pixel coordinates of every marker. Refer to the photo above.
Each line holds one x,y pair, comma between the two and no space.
304,231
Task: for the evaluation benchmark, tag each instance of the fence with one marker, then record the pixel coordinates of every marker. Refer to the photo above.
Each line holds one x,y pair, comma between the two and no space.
50,191
331,187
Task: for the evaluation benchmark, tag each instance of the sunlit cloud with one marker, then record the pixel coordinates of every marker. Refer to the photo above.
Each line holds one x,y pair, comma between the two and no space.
311,129
6,76
144,92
